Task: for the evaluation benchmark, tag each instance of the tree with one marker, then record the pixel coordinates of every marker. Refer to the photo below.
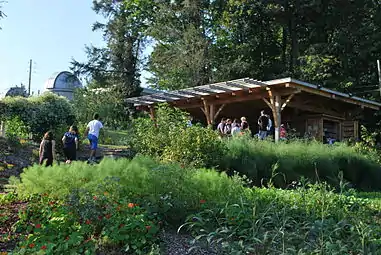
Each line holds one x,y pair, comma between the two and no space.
2,14
181,56
117,66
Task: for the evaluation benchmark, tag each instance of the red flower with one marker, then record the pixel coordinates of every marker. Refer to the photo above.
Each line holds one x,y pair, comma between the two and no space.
43,247
38,225
202,201
108,216
31,245
121,225
100,217
51,203
95,197
88,222
148,227
131,205
67,238
118,208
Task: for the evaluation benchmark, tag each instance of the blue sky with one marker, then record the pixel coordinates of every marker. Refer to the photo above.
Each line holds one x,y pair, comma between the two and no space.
49,32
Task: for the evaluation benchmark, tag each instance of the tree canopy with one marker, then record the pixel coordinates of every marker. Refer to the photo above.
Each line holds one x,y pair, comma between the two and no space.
332,43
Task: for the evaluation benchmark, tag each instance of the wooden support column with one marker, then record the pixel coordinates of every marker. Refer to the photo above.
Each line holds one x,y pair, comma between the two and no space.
275,104
212,111
277,116
2,129
152,114
206,111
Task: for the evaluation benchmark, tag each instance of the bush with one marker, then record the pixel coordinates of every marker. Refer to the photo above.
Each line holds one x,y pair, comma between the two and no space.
83,222
167,189
172,140
37,114
314,161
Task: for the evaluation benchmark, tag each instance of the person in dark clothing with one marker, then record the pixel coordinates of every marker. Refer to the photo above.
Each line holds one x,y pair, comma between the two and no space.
47,149
70,142
263,122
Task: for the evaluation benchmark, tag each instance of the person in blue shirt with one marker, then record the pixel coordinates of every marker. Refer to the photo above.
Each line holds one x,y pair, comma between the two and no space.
70,142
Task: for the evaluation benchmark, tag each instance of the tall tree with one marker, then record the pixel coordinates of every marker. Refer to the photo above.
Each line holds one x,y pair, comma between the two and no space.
181,55
117,66
2,14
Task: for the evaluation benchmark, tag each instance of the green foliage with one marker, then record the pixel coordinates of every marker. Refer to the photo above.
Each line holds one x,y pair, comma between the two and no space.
172,140
37,114
94,207
15,127
104,101
83,222
309,220
289,161
168,189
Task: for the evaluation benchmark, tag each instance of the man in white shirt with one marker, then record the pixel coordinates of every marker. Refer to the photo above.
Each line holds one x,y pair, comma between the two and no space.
92,133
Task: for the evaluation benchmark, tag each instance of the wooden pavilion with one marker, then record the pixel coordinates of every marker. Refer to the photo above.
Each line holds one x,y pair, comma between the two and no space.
308,108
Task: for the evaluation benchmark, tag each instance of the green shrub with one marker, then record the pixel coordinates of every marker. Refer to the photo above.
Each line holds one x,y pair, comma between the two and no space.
168,189
83,222
314,161
172,140
38,114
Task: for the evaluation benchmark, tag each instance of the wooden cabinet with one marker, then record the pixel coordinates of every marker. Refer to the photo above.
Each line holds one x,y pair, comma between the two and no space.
349,130
324,126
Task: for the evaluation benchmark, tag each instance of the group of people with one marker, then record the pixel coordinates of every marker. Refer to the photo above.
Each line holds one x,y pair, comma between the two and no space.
228,128
70,142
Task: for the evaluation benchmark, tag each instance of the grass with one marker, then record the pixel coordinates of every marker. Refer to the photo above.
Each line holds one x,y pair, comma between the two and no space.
261,160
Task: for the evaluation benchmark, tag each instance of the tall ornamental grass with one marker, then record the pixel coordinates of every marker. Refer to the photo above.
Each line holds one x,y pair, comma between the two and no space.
262,160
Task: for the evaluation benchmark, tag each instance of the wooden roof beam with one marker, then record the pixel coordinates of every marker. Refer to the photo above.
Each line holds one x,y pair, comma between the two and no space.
333,96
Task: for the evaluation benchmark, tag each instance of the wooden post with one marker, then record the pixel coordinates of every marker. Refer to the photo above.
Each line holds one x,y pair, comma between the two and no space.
152,115
379,74
277,116
211,113
2,129
206,112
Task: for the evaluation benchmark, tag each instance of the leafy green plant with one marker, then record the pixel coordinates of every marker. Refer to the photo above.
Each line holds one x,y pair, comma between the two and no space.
170,139
83,223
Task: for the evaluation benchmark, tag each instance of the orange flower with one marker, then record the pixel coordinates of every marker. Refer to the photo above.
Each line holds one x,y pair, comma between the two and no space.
51,203
131,205
108,216
118,208
148,227
95,197
38,226
43,247
31,245
88,222
202,201
106,193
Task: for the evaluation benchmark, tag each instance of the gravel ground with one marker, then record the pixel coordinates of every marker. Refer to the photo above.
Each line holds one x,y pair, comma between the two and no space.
179,244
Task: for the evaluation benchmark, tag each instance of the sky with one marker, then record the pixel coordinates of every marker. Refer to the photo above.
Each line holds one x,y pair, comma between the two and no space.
50,33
